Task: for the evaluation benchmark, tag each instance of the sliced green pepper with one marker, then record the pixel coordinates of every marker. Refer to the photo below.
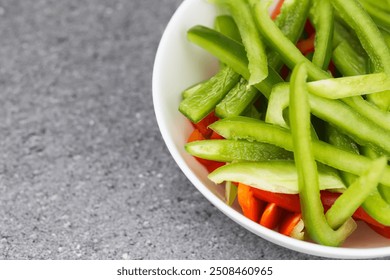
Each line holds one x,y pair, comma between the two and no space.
291,21
227,26
343,87
257,130
192,89
356,194
371,39
359,128
380,16
369,111
309,191
255,49
236,100
236,150
200,103
231,53
381,4
322,18
337,112
274,176
348,61
277,41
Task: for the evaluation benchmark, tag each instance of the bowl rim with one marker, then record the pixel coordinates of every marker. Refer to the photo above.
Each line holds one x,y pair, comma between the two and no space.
265,233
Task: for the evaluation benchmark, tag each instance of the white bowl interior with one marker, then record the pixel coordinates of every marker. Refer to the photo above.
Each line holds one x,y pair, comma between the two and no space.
178,65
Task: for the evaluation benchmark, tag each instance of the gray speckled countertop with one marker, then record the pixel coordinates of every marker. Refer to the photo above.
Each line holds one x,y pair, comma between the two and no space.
84,172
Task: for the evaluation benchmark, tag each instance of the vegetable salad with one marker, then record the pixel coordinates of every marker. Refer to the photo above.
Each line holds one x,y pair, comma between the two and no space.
296,121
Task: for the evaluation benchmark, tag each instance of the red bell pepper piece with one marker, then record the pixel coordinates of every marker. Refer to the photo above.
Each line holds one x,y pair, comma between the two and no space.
252,207
384,231
277,9
289,202
328,198
309,28
202,126
271,216
306,46
289,222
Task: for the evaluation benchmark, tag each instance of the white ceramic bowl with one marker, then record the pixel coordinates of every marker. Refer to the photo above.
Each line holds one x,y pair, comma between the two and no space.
178,65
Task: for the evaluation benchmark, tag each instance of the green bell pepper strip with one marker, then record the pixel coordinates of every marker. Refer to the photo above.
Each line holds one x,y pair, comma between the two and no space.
342,141
336,112
380,16
323,24
255,49
227,26
232,53
277,41
367,31
232,150
386,36
192,89
277,104
347,61
369,110
371,39
356,194
381,4
376,205
274,176
199,104
207,94
309,191
348,55
291,21
242,94
343,33
256,130
236,100
351,62
252,112
337,88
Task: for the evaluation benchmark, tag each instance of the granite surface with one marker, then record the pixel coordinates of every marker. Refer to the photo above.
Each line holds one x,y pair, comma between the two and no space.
84,172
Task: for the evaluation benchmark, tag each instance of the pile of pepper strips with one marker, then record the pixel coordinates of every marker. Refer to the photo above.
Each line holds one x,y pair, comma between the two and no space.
309,83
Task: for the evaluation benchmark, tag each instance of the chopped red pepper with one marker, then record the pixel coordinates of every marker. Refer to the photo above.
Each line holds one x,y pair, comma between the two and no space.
309,28
384,231
289,202
251,207
289,222
271,216
202,126
306,46
215,135
277,9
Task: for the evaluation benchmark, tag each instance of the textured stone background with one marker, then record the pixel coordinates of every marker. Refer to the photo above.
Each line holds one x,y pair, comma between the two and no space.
84,173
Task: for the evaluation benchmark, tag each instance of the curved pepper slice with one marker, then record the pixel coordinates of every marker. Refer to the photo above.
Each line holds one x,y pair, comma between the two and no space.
312,209
279,42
